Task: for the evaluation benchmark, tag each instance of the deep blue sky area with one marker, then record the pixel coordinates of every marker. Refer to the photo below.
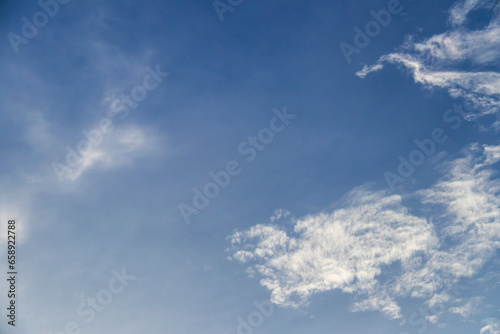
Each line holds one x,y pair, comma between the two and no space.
251,167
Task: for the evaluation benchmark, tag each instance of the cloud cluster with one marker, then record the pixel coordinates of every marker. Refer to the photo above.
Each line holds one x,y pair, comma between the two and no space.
375,248
468,309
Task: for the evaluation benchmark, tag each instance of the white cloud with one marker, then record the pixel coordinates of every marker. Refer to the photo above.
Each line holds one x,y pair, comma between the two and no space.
492,326
480,47
458,13
119,148
368,69
469,197
467,310
346,250
379,301
280,213
479,88
439,60
433,319
352,248
492,154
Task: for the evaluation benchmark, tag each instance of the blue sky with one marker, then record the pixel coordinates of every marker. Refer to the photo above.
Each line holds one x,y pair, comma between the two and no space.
355,191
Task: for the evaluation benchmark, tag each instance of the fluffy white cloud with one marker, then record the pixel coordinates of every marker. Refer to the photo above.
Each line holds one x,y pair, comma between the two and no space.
346,249
357,246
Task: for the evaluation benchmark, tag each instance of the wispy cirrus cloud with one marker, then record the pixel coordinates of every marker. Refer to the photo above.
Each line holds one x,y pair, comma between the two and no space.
124,146
458,13
441,60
